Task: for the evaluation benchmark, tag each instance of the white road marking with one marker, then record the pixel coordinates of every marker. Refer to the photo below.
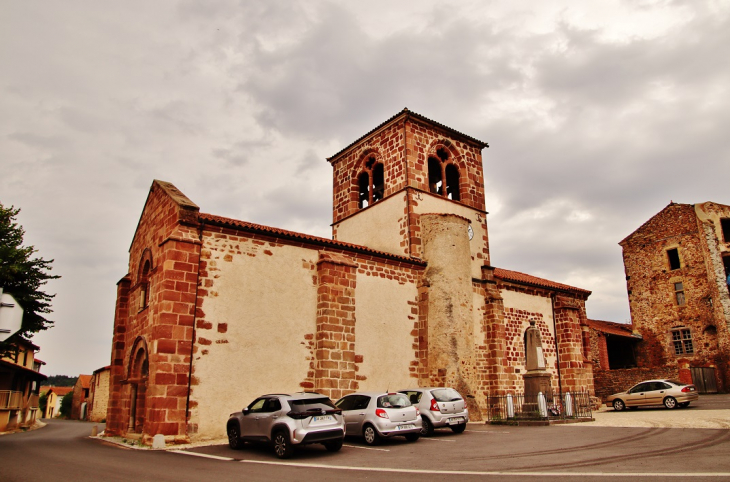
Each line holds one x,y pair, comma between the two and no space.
436,440
365,448
482,431
503,474
196,454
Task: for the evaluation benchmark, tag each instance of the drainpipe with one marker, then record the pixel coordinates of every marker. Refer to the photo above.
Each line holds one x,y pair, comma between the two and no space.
557,347
195,319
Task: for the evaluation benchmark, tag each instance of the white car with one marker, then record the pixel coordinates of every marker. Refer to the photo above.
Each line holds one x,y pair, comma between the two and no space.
439,407
378,415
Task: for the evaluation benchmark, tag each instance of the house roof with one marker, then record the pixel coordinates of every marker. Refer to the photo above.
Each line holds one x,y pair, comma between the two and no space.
613,328
6,366
85,381
108,367
270,231
409,113
522,278
60,391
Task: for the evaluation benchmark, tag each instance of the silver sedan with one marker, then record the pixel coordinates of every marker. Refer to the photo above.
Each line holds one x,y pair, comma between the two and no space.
378,415
670,393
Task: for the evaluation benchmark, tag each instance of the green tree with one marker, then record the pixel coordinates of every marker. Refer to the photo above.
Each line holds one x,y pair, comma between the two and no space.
65,409
23,276
42,404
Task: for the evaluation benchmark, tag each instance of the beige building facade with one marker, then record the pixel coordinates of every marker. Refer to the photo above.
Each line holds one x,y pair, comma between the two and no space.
216,311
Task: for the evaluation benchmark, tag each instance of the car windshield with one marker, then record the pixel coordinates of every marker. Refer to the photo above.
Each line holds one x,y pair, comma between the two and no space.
393,400
311,405
446,395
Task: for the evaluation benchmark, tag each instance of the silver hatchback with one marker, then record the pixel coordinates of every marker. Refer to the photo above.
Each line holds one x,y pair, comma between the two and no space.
439,407
378,415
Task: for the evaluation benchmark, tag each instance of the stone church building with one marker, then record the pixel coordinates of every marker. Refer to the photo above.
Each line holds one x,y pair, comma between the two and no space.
216,311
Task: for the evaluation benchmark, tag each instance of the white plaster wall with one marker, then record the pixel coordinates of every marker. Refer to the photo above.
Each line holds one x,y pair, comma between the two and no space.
433,204
269,304
383,332
533,304
378,227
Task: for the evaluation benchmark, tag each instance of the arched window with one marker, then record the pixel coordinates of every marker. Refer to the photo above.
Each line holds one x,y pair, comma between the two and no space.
443,176
370,183
452,182
143,279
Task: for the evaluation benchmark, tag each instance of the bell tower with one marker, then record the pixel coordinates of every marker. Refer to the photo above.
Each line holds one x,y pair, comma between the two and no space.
406,167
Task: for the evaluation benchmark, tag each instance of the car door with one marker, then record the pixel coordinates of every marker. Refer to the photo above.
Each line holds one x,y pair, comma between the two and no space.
266,417
655,395
352,416
249,421
635,396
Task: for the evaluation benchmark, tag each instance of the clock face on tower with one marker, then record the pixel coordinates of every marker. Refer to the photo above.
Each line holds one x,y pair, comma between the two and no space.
471,232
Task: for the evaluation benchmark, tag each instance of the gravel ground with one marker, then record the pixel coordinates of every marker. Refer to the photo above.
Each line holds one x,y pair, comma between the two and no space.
710,411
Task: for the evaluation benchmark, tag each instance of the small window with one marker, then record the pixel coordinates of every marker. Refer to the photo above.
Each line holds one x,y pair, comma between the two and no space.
435,177
682,340
673,255
452,183
370,183
725,223
679,293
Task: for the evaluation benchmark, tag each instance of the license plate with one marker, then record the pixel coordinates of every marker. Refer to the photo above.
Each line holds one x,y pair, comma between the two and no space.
323,418
455,420
407,426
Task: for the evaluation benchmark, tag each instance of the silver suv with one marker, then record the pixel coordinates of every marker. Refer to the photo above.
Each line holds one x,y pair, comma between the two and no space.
287,420
439,407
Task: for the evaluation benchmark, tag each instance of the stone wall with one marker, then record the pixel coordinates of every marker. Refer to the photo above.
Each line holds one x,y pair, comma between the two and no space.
99,396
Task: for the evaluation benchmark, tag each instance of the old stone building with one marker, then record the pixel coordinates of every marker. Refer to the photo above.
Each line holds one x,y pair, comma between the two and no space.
676,266
215,311
79,403
98,394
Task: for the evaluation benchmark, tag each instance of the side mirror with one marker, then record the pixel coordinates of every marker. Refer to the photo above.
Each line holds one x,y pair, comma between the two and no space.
245,411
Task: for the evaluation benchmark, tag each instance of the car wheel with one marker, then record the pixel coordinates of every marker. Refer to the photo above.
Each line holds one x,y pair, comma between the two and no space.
371,435
282,445
670,402
426,427
684,405
412,437
458,428
333,446
234,437
618,405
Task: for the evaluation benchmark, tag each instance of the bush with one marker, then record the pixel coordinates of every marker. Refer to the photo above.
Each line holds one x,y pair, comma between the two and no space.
65,410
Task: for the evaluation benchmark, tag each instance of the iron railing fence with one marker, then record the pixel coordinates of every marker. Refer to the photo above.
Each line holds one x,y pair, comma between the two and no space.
539,406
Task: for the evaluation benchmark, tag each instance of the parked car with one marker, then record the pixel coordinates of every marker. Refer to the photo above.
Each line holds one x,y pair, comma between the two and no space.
439,407
378,415
286,421
670,393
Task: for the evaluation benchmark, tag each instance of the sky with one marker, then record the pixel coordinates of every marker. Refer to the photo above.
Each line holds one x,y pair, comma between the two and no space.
597,114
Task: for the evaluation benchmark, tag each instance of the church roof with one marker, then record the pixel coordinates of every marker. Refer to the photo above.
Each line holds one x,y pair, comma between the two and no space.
522,278
307,238
409,113
613,328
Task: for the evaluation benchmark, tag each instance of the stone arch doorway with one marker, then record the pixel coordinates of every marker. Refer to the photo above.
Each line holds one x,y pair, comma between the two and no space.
137,379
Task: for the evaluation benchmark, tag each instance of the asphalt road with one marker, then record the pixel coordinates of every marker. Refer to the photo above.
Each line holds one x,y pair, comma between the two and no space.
63,451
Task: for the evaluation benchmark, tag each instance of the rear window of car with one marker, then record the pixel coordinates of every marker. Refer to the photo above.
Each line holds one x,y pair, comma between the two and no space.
413,396
393,400
313,404
446,395
675,382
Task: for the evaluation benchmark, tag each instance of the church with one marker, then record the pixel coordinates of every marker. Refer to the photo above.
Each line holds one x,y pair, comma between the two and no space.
215,311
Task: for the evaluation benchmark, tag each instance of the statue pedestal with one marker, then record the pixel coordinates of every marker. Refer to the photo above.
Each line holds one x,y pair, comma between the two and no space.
535,382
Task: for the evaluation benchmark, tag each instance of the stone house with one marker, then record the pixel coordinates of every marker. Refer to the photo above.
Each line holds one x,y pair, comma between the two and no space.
215,311
79,405
676,266
20,380
98,394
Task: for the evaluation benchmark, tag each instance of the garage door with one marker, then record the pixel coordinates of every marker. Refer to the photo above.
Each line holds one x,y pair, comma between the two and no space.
704,379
